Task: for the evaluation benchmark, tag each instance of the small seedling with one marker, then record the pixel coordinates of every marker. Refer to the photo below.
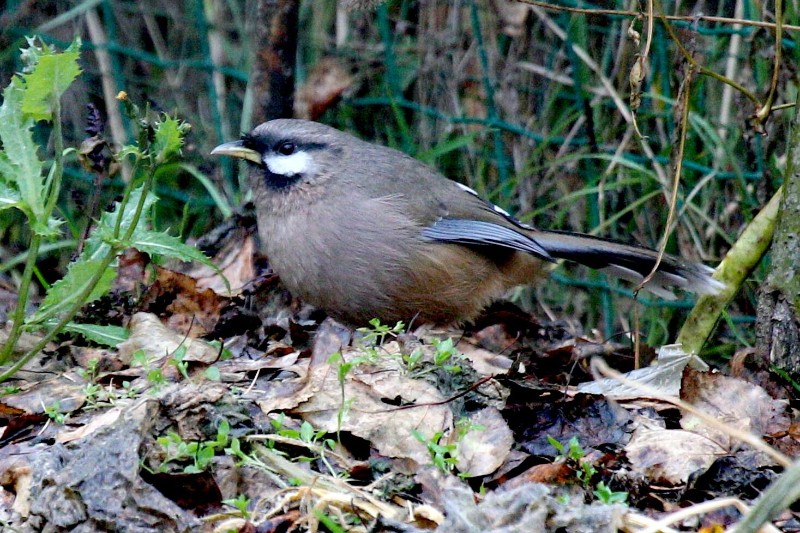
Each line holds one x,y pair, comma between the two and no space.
200,453
586,471
608,496
153,374
443,456
54,413
241,503
377,332
177,361
91,371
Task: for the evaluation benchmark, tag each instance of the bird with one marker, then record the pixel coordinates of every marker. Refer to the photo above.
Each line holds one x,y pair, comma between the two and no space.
364,231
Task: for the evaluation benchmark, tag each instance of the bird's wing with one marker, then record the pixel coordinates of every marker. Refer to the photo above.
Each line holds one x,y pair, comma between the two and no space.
461,216
482,233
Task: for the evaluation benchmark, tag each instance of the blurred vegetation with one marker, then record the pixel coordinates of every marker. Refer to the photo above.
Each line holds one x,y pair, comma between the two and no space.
526,104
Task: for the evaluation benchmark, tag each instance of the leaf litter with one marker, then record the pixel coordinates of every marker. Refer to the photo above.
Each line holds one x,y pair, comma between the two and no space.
242,411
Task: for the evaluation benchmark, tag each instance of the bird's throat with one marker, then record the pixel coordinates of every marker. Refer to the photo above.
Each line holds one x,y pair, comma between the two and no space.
280,182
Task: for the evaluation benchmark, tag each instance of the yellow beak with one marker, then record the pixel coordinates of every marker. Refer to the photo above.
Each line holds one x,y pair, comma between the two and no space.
237,149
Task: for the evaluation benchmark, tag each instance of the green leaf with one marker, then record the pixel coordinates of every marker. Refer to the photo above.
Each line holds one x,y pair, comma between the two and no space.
106,335
212,373
168,139
157,243
8,197
21,165
63,293
53,74
98,242
213,191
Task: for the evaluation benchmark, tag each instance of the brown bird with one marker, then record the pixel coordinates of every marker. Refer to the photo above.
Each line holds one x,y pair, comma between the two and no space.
364,231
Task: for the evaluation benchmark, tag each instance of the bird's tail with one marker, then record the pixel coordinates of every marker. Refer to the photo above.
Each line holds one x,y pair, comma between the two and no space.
630,262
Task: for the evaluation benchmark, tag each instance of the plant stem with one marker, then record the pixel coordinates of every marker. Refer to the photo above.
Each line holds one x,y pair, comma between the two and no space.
109,257
52,191
18,316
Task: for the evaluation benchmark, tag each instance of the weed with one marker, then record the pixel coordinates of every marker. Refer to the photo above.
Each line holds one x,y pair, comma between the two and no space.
176,450
443,456
241,503
25,186
585,471
53,411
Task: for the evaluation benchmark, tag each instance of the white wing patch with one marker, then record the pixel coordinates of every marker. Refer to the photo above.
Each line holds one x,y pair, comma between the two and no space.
467,189
497,209
289,165
502,211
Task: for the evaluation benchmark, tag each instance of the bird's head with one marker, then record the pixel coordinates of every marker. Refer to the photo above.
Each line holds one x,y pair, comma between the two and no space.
288,152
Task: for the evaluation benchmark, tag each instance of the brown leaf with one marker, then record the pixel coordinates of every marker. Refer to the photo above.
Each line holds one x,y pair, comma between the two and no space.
185,307
485,446
234,260
369,407
324,86
742,405
149,334
670,456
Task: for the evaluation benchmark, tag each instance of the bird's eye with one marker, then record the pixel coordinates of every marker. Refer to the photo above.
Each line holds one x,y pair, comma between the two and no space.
286,148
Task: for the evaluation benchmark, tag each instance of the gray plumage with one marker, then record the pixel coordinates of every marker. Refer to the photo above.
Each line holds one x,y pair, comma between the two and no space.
365,231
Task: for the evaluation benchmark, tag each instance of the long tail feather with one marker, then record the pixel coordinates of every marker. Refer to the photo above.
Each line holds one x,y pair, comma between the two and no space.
629,262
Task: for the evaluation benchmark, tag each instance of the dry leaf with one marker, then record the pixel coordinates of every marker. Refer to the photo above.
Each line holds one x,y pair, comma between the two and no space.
485,446
105,419
380,404
670,456
151,336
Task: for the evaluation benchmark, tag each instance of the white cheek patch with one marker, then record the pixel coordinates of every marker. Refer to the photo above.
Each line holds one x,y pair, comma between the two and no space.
289,165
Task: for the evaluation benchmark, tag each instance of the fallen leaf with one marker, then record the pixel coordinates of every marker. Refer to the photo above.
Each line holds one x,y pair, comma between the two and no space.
151,336
379,403
670,456
739,404
188,308
105,419
485,446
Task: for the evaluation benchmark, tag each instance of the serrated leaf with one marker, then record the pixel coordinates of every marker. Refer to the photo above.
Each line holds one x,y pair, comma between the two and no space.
154,242
97,243
168,139
8,197
63,293
106,335
54,73
21,166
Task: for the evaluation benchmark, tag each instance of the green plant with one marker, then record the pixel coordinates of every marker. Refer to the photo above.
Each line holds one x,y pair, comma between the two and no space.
176,360
585,471
307,437
443,456
176,450
446,352
53,411
90,372
240,502
608,496
10,389
574,452
154,375
377,332
330,522
34,96
445,357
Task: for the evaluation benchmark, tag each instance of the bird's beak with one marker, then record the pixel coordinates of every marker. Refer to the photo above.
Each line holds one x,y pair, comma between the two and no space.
237,149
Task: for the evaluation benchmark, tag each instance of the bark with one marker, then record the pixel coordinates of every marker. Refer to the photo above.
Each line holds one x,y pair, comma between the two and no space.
777,322
273,74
